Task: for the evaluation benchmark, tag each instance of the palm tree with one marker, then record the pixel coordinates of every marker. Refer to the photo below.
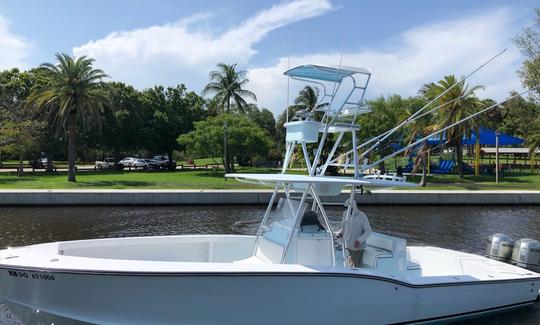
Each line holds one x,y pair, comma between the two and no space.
419,129
464,103
227,84
73,95
307,100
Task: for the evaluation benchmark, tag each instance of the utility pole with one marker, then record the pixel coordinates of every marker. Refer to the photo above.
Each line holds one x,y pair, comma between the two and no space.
225,157
497,157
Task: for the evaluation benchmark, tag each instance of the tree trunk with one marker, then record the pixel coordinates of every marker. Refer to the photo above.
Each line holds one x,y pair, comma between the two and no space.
170,155
226,165
423,181
72,147
20,171
50,167
115,157
459,158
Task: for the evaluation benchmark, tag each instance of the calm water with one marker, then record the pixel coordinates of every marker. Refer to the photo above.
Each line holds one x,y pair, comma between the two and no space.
460,228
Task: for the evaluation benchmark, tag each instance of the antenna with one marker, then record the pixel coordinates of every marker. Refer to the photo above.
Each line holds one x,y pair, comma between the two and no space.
288,67
343,45
341,55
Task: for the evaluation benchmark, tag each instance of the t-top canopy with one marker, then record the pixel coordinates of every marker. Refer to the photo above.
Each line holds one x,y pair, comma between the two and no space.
317,72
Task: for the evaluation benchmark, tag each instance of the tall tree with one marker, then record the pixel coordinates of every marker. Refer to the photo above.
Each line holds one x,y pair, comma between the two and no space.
386,113
264,118
516,116
74,96
227,85
124,120
464,103
173,111
528,41
533,140
526,120
308,98
16,122
245,137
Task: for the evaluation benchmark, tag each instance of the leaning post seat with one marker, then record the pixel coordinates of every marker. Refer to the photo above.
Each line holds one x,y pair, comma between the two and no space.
385,252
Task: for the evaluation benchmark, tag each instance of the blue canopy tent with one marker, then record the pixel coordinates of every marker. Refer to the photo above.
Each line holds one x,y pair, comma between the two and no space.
488,137
485,135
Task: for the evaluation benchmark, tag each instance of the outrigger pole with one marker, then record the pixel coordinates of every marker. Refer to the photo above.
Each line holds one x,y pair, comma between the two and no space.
288,78
388,131
446,128
380,138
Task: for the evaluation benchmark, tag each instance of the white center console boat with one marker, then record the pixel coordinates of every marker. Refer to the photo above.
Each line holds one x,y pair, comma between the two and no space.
289,273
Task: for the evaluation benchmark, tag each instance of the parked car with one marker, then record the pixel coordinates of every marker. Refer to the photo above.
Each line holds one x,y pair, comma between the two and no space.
41,163
152,164
133,162
164,162
141,163
106,163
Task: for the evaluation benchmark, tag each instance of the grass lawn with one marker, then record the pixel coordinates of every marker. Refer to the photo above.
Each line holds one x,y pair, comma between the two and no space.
453,182
202,179
190,179
202,161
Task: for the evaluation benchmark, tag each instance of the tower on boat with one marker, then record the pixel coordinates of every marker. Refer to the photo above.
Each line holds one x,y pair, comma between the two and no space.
295,263
317,134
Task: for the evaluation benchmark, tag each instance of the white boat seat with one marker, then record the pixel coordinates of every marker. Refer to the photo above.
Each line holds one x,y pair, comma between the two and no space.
378,241
372,254
391,249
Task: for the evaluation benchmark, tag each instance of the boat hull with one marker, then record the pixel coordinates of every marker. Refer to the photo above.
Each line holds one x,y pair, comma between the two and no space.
248,298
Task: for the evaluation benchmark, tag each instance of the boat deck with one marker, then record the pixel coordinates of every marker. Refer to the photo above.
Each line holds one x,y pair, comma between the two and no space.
209,254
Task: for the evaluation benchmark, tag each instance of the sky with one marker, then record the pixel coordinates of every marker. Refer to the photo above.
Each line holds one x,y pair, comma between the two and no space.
147,42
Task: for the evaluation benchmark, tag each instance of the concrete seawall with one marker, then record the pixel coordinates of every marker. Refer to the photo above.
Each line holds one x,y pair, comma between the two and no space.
179,197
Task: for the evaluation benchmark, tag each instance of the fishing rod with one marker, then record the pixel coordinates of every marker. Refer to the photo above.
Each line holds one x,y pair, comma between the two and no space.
383,136
446,128
413,117
386,132
288,67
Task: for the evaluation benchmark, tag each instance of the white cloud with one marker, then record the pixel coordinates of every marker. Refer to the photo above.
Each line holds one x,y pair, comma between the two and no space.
420,55
187,50
181,51
13,49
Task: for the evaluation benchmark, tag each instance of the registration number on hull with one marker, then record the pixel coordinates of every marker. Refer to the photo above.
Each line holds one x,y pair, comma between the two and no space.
32,275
